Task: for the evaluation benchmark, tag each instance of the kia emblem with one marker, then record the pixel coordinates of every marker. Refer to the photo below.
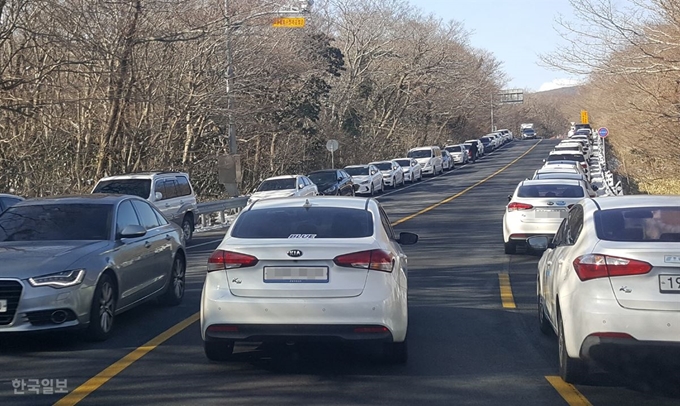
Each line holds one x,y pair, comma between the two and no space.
294,253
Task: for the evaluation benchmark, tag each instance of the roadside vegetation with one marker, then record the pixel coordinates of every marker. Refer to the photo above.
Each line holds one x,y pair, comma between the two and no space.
91,88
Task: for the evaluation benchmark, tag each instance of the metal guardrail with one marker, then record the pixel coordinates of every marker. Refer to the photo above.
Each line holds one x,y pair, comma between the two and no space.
218,214
613,189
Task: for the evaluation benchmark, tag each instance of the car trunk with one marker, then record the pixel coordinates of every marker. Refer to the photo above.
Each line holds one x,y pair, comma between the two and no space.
312,274
546,210
659,289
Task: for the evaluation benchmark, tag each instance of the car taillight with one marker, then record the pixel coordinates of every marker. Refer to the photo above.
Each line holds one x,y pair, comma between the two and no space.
594,266
221,260
376,260
514,206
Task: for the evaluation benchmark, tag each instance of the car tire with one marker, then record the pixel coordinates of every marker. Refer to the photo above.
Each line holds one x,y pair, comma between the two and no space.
174,293
510,248
394,183
218,351
572,370
188,227
102,309
396,353
543,323
372,190
382,187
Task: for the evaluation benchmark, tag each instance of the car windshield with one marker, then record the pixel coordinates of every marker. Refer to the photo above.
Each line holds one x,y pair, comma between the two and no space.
566,157
56,222
383,166
467,146
556,190
582,131
357,170
299,222
323,177
420,153
135,187
456,148
404,162
638,224
276,184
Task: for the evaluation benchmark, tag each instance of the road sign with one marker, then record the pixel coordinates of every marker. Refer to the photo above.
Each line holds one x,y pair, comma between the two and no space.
584,117
289,22
332,145
511,96
603,132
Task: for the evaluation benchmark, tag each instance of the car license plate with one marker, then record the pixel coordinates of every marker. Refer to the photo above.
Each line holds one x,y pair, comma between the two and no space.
669,283
550,214
295,274
3,306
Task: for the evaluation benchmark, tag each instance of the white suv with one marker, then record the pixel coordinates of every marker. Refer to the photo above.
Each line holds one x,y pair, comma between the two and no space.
170,192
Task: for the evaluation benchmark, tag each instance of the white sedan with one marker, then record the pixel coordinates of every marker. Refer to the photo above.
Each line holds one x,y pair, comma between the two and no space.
609,282
413,172
458,153
392,174
320,268
368,177
537,208
284,186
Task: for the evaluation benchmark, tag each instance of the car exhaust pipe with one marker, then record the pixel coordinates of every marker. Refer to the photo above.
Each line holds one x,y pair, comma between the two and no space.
58,316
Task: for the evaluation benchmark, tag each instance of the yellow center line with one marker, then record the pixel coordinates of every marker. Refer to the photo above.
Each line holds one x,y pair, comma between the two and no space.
459,194
104,376
569,393
506,291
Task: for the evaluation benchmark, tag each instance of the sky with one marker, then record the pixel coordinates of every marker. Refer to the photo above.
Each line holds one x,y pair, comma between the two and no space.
515,31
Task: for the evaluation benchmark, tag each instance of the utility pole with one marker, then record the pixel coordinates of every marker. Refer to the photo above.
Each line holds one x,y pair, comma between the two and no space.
231,129
492,124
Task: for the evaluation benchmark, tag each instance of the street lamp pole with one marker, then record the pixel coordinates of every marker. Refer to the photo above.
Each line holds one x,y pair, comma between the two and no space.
492,124
231,129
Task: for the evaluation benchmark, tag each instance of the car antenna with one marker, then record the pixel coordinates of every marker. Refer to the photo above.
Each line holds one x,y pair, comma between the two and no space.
307,204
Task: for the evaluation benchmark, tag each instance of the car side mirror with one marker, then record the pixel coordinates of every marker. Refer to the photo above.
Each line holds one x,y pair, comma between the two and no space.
133,231
538,243
339,179
595,188
372,172
356,187
413,163
509,197
300,186
158,196
406,238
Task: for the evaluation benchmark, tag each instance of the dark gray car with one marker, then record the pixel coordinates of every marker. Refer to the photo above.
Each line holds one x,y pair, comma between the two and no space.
78,261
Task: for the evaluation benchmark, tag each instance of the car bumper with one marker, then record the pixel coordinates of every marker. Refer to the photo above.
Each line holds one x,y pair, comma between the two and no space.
408,176
459,160
272,319
428,170
37,307
364,189
516,230
388,181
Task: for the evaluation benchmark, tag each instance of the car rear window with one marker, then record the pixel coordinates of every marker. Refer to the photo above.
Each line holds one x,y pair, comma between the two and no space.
566,157
134,187
54,222
420,153
637,224
550,191
300,222
457,148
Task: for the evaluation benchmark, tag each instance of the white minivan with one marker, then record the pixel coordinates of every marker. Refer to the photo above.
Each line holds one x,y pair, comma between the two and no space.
430,158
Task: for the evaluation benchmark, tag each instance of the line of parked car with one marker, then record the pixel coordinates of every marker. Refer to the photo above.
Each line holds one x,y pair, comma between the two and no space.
608,280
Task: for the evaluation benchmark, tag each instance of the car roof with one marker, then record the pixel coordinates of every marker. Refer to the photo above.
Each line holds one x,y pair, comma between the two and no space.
389,161
357,166
143,175
324,171
560,175
10,195
614,202
96,198
559,169
422,148
282,177
536,182
316,201
564,153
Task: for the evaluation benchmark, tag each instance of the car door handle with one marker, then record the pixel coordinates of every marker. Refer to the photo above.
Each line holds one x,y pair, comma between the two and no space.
147,244
549,263
560,262
167,204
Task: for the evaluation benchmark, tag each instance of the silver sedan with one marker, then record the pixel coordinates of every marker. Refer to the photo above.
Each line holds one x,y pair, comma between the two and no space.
76,262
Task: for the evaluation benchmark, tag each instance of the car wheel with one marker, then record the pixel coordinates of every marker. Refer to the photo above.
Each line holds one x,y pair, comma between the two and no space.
510,247
188,227
218,350
543,322
572,370
394,183
102,309
372,190
396,353
174,293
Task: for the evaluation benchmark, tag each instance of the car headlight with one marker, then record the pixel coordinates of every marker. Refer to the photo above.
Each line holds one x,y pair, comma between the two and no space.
59,280
365,182
331,189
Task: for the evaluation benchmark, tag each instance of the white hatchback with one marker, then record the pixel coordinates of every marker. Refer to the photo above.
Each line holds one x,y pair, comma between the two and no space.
537,208
323,268
609,283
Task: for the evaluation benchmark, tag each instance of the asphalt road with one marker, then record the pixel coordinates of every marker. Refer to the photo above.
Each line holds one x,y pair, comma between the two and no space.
465,347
